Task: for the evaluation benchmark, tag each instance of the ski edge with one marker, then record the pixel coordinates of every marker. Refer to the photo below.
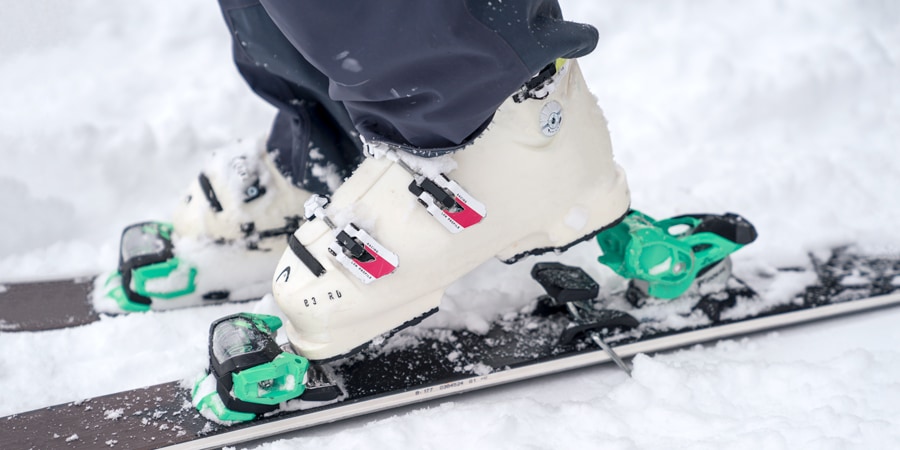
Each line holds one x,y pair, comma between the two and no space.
528,371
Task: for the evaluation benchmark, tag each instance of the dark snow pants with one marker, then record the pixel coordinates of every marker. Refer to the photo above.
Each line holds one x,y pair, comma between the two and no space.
426,75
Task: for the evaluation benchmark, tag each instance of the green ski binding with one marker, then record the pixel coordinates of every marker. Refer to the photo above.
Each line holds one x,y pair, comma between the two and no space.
669,254
249,374
148,268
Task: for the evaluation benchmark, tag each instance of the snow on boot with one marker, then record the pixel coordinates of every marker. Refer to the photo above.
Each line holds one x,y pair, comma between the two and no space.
541,177
224,240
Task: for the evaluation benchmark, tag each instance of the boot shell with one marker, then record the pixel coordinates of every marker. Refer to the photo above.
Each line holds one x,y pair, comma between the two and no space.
544,170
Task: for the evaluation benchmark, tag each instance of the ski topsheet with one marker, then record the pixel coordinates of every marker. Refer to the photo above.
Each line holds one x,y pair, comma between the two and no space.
55,304
419,365
46,305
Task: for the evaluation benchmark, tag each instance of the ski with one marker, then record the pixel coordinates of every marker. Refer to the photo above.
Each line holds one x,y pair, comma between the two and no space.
420,365
151,275
56,304
46,305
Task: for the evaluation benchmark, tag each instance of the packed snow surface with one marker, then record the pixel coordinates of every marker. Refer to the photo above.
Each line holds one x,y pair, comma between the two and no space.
786,111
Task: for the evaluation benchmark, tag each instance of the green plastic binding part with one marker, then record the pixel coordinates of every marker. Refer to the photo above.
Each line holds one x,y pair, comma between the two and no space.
272,383
162,228
263,322
666,253
140,276
277,381
210,400
118,295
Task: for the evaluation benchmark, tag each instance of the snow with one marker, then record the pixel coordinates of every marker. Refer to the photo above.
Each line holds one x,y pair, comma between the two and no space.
785,111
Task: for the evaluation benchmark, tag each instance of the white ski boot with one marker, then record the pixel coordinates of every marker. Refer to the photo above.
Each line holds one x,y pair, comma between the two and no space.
541,177
238,196
223,243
